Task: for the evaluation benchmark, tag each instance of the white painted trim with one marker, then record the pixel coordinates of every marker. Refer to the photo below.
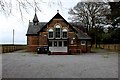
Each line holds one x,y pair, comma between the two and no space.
50,30
57,26
58,49
64,30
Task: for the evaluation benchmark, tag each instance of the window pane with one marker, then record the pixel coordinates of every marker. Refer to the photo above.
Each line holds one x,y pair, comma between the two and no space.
57,33
50,34
55,43
60,43
64,34
83,42
65,43
50,43
71,41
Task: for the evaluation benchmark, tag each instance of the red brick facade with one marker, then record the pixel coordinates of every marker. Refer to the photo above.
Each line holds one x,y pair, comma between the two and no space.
74,45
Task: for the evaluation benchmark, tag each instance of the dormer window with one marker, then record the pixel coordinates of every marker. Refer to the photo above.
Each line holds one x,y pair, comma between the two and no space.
57,31
50,33
64,33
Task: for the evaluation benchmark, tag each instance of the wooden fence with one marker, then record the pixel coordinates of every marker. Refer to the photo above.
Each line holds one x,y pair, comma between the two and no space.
113,47
10,48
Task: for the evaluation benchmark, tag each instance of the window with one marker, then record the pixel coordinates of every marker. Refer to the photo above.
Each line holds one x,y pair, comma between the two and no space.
60,43
55,43
57,33
50,33
83,42
65,43
64,34
50,43
71,42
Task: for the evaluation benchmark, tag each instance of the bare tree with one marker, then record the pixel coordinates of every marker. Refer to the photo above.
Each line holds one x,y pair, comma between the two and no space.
7,7
98,0
89,14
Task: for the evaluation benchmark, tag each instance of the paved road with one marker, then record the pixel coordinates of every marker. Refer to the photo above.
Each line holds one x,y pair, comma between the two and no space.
22,64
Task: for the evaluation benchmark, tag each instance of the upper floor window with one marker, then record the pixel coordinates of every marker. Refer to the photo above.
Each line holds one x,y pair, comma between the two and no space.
57,31
50,33
64,33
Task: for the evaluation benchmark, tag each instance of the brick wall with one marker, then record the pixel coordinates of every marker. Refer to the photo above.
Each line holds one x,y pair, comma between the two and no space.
41,40
32,42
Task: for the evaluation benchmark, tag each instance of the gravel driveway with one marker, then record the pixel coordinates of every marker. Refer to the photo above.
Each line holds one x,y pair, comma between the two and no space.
21,64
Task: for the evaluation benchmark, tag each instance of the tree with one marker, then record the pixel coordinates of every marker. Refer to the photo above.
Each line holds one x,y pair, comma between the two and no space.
92,15
7,7
89,14
114,16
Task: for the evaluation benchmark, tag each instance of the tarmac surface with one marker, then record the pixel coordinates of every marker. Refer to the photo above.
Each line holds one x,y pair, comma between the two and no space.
21,64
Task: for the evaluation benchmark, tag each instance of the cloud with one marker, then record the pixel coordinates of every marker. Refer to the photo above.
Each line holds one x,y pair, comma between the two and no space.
14,22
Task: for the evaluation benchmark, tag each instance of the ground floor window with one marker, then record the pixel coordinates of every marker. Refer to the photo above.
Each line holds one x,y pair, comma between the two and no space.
65,43
50,43
58,43
71,41
83,42
55,43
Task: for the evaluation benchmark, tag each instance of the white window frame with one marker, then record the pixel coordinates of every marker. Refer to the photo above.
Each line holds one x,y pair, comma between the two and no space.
71,41
83,43
64,30
50,30
57,26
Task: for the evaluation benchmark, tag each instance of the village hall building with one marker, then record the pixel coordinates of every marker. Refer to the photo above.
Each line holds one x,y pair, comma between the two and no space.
60,36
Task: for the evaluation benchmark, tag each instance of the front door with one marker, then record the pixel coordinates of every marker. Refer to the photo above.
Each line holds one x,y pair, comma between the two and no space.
58,45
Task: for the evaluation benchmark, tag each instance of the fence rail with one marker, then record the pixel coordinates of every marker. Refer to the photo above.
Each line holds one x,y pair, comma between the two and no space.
5,48
113,47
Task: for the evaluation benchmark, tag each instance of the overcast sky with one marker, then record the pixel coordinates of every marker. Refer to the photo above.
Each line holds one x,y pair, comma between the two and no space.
48,10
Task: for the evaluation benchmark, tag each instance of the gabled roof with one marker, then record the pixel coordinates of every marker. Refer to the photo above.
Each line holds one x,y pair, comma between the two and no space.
57,16
35,19
81,35
33,29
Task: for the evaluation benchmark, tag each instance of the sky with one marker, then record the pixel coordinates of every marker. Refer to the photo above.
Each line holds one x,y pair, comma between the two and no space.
48,10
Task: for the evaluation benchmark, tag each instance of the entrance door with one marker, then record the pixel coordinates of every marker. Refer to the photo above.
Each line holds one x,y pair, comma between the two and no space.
58,46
